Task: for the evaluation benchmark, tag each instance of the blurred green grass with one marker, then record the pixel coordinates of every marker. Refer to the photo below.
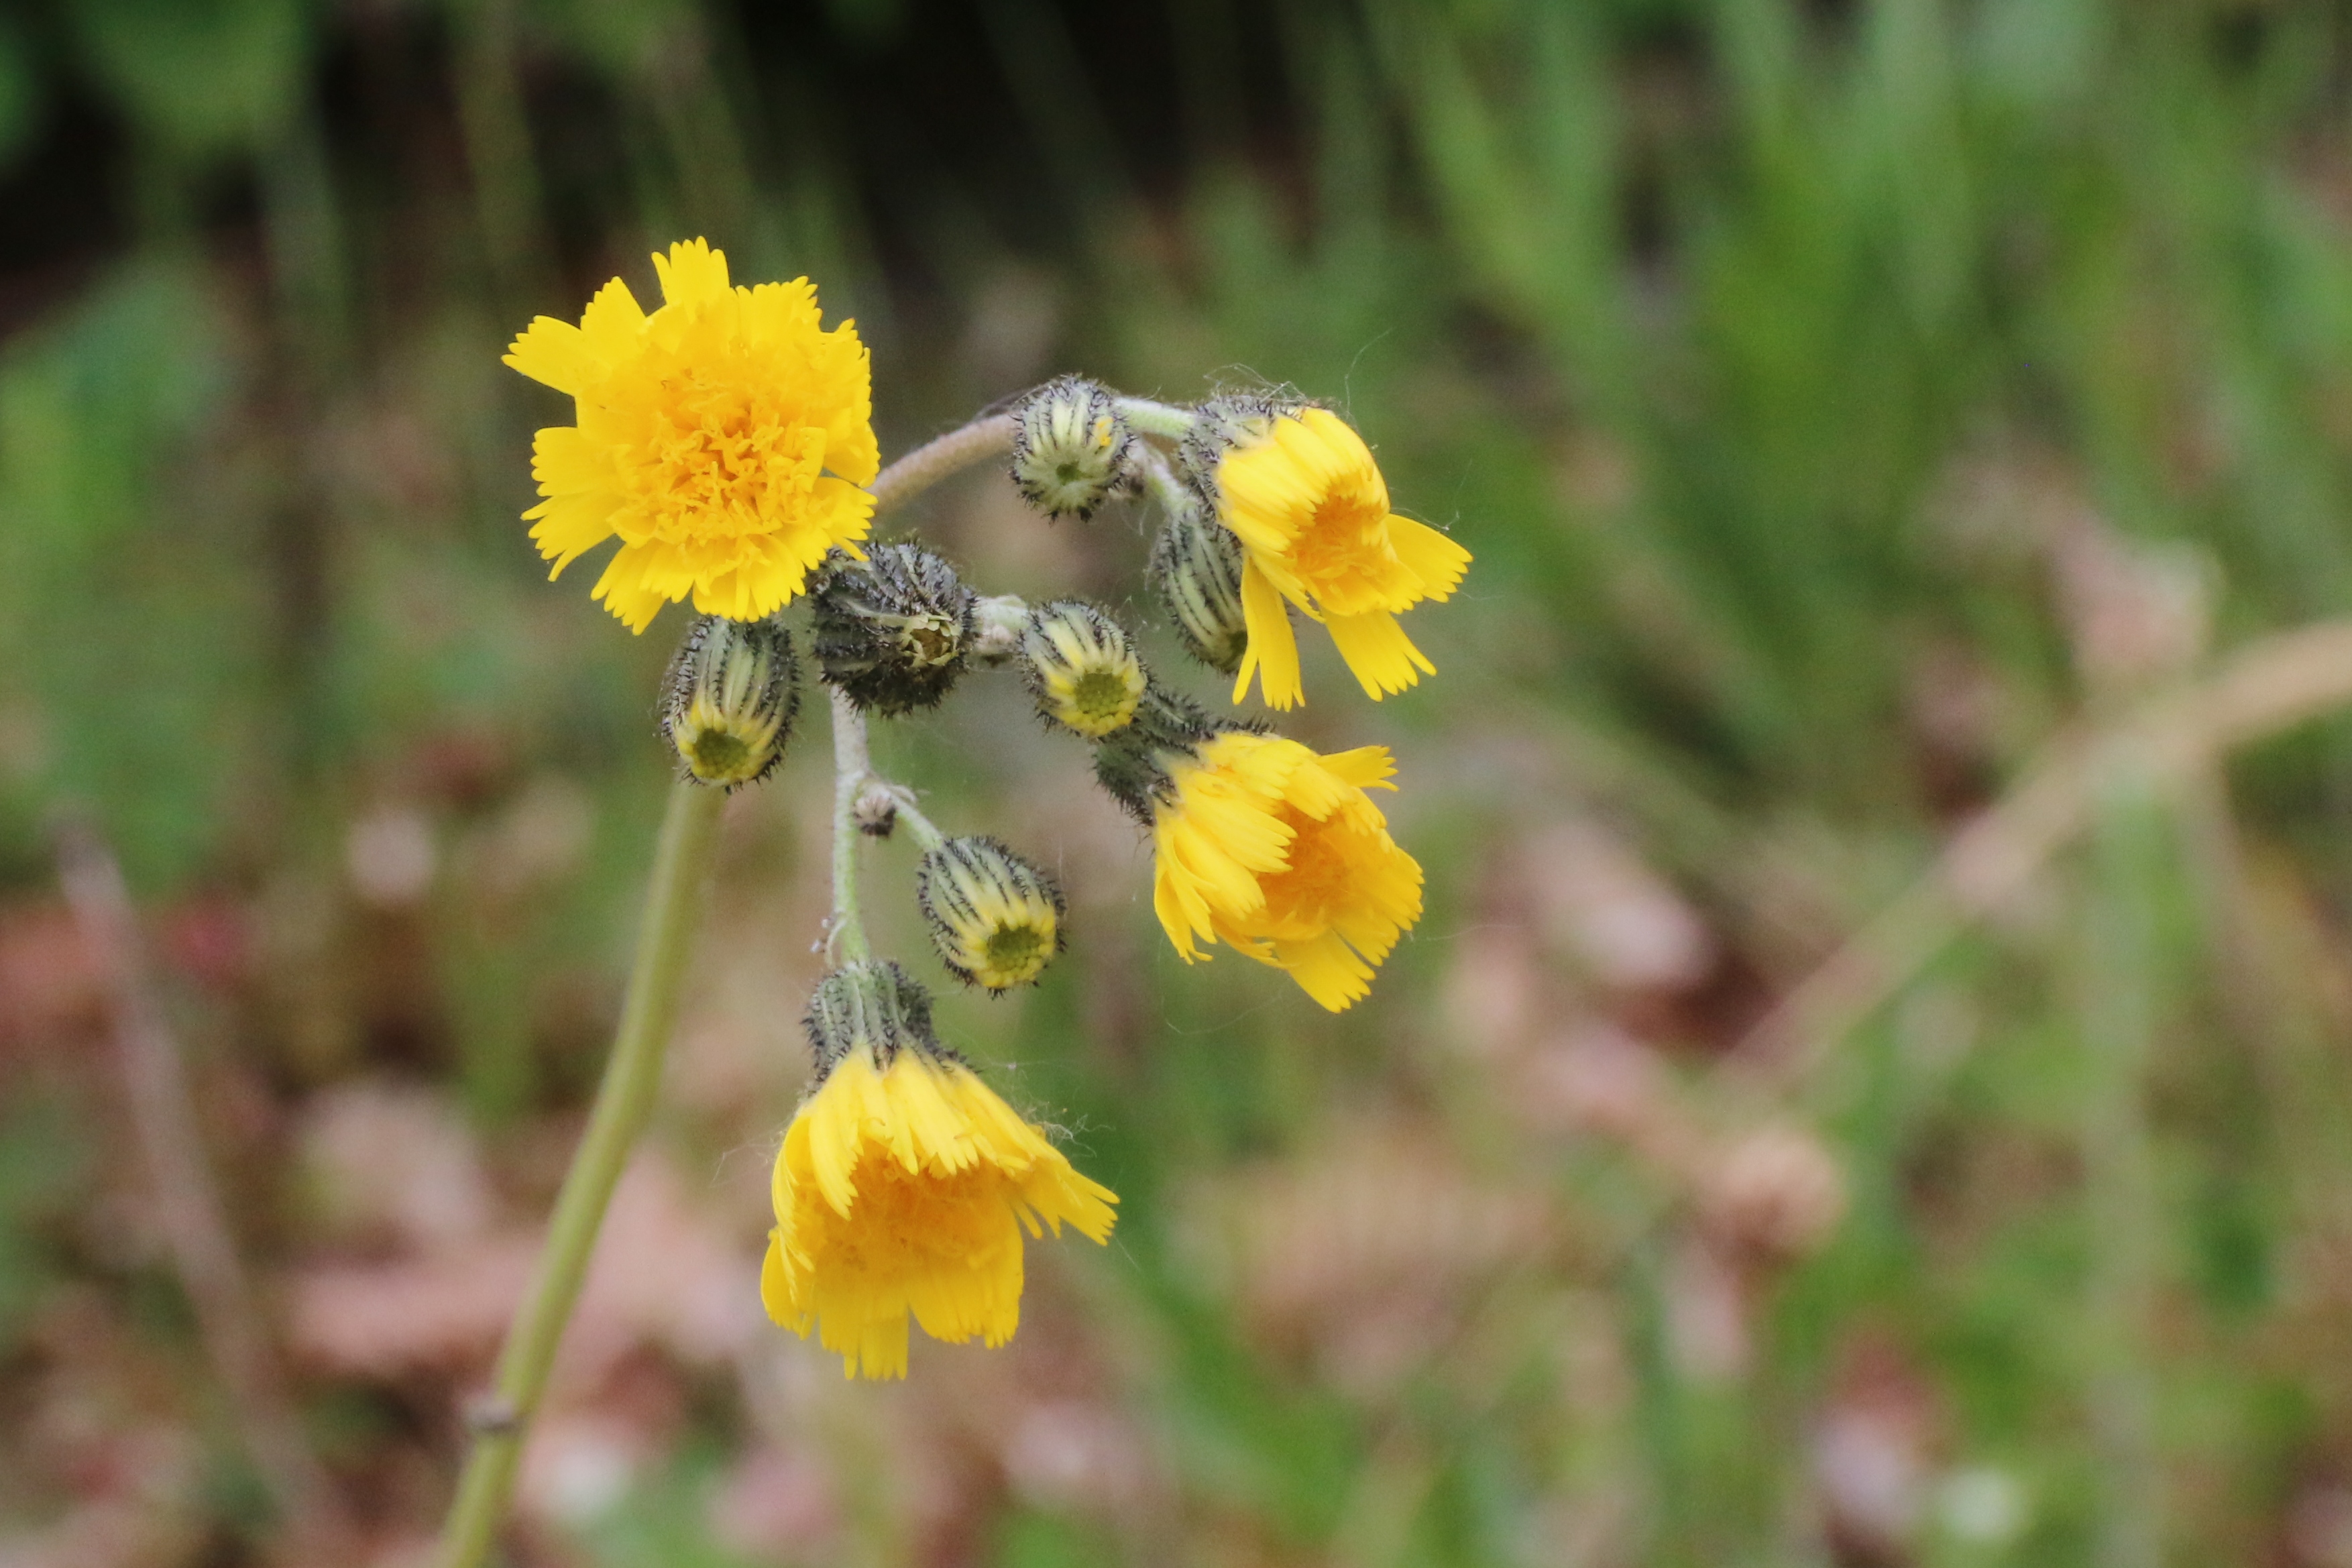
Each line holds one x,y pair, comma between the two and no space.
1841,400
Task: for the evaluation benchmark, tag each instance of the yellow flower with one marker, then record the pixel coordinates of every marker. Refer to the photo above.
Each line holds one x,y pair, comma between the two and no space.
1264,844
904,1186
1311,511
726,438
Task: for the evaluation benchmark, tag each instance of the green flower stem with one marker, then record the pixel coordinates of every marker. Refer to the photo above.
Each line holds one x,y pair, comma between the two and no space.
1147,417
682,861
852,768
990,436
927,832
1159,483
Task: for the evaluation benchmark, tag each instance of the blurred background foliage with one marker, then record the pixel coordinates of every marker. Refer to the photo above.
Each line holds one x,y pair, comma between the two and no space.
1846,400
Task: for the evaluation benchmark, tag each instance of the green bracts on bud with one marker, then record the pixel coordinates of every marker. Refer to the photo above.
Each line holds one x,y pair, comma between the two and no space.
1072,450
1196,570
893,632
1229,420
872,1005
1081,669
995,919
1132,764
732,692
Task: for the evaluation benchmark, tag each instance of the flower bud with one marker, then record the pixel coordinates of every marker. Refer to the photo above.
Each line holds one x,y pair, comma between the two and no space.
1196,570
1071,450
1229,420
1081,669
893,632
873,1007
995,919
1132,764
733,690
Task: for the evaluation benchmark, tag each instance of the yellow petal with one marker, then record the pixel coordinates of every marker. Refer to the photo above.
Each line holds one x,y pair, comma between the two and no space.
1430,555
691,274
553,353
1273,652
1382,657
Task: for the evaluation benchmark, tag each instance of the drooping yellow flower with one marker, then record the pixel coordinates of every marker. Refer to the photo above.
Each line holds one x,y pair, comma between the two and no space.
904,1186
726,438
1278,851
1303,495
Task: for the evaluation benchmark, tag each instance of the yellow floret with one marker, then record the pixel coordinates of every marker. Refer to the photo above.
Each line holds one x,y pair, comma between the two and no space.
1311,511
1279,853
905,1188
726,438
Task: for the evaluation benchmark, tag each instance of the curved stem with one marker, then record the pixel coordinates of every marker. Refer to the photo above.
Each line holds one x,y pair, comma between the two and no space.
927,832
1148,417
624,1100
942,457
1159,481
852,765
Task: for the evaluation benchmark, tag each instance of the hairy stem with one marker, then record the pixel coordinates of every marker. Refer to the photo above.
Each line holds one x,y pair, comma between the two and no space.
852,767
944,456
624,1101
1147,417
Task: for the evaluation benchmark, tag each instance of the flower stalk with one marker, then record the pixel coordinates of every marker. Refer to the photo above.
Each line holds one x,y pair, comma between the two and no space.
625,1102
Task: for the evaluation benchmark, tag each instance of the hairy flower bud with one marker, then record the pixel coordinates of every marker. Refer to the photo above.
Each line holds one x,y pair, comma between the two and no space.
893,632
1229,420
872,1005
1196,570
1131,763
1071,450
995,919
732,692
1081,669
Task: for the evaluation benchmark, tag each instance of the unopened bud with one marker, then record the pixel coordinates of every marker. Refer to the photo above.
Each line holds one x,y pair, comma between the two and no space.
876,810
872,1006
1071,450
1196,570
733,690
995,919
1081,667
894,631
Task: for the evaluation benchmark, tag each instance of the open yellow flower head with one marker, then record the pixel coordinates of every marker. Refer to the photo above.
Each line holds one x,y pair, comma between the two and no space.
905,1185
1301,492
726,438
1263,844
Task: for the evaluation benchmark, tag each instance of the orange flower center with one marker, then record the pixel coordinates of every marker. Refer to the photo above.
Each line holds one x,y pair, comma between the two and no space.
719,458
1321,875
1343,550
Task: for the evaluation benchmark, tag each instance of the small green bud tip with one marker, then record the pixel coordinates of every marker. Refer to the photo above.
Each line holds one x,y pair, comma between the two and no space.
1072,450
873,1007
1081,669
1196,570
733,690
893,632
995,919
